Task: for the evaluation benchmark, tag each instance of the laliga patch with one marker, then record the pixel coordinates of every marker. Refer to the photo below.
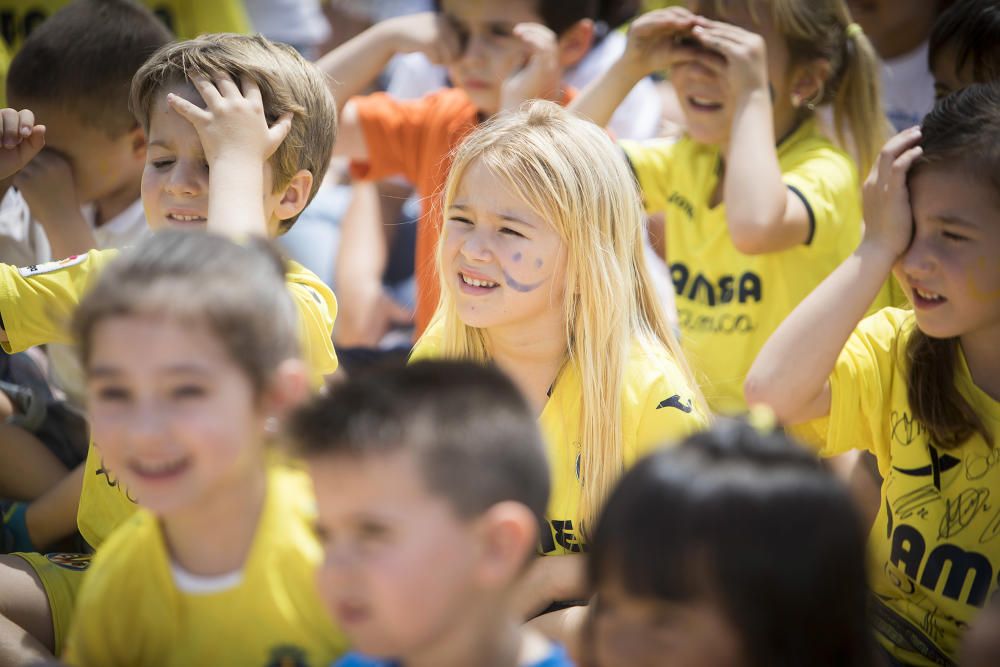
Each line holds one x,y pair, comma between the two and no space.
49,267
76,562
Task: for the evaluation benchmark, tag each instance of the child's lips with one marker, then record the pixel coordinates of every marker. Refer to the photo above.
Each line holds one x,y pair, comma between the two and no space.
924,299
185,217
351,613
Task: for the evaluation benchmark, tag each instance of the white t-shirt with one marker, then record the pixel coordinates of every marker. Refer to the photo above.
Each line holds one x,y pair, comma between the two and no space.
907,88
300,23
22,240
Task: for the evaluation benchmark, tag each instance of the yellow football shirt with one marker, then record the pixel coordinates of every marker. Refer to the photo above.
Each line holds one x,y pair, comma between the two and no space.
934,550
185,18
658,407
36,304
132,610
729,303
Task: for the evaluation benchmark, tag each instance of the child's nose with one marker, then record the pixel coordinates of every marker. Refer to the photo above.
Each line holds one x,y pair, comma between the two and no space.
919,259
184,181
476,248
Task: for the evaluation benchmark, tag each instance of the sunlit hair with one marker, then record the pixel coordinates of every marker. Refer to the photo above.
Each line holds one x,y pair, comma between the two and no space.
570,174
817,30
962,134
287,82
237,292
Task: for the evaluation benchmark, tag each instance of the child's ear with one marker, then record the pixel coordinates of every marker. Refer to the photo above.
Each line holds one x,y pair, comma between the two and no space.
296,195
137,139
289,388
808,81
508,536
575,42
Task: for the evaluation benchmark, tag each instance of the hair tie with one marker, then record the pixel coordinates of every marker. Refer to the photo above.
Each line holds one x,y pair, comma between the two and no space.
853,30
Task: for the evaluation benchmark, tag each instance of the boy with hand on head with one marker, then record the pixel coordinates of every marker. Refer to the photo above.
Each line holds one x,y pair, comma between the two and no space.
249,193
498,56
431,484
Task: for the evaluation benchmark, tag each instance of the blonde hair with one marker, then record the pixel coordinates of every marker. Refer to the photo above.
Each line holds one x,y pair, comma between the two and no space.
818,30
287,82
570,173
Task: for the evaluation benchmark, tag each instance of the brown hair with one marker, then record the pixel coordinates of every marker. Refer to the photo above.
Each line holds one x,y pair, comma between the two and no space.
83,59
962,132
287,82
237,291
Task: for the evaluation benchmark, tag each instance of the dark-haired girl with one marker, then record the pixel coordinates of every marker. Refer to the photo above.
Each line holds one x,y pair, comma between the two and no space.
923,385
736,549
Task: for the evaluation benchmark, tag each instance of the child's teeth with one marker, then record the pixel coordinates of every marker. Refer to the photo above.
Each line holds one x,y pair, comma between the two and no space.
477,283
929,296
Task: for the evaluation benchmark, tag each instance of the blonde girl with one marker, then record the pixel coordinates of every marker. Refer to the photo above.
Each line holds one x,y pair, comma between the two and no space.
759,204
542,273
919,388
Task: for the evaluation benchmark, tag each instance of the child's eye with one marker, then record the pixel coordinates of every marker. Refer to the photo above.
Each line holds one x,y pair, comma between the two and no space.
952,236
464,221
188,391
112,394
501,31
372,531
161,164
511,232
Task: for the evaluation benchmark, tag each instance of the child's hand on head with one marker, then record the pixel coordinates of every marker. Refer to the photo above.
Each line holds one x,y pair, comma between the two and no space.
541,74
232,124
48,186
888,217
743,65
654,39
428,33
22,140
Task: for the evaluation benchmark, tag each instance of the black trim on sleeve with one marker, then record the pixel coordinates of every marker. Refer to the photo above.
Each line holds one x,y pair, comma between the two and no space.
628,160
809,209
1,322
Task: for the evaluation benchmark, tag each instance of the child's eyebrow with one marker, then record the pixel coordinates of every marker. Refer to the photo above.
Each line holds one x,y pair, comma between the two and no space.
510,217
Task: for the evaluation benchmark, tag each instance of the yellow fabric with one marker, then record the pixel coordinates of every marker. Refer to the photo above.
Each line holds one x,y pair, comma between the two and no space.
131,612
62,577
935,546
36,304
657,408
729,303
186,18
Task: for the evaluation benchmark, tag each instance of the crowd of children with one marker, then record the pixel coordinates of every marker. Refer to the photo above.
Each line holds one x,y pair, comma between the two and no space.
558,475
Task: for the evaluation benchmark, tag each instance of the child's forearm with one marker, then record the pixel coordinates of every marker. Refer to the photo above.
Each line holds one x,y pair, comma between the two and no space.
792,369
71,236
236,193
755,195
551,579
599,100
353,65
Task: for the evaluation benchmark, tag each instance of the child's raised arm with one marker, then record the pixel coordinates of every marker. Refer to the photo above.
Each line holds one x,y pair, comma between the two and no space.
22,140
353,65
791,373
653,45
237,142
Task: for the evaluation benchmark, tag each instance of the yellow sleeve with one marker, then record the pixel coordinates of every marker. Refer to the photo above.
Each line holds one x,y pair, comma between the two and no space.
317,307
827,182
37,302
664,412
651,162
101,635
861,386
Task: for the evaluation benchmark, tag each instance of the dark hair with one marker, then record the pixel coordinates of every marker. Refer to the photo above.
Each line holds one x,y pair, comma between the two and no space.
83,58
469,428
560,15
972,28
756,522
962,132
237,291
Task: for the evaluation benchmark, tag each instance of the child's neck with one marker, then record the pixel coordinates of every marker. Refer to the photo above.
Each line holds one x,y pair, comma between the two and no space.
214,536
113,204
532,357
484,640
983,357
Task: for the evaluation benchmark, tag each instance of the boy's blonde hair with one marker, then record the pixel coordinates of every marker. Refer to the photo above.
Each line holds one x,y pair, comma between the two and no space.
287,82
819,30
571,174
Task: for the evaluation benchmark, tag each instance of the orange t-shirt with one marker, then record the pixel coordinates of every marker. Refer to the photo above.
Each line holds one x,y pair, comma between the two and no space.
415,139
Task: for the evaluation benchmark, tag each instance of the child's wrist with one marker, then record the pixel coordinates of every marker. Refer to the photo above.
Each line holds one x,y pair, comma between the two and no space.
877,252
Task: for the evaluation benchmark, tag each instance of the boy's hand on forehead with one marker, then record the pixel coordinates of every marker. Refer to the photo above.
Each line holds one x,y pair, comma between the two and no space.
232,124
743,61
888,217
541,75
428,33
21,138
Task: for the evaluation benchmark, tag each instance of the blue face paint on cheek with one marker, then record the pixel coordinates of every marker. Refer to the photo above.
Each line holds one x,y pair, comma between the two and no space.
521,287
538,263
517,257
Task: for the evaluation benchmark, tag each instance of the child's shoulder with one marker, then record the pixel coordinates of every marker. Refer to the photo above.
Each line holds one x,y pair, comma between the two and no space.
888,325
136,546
444,103
809,143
